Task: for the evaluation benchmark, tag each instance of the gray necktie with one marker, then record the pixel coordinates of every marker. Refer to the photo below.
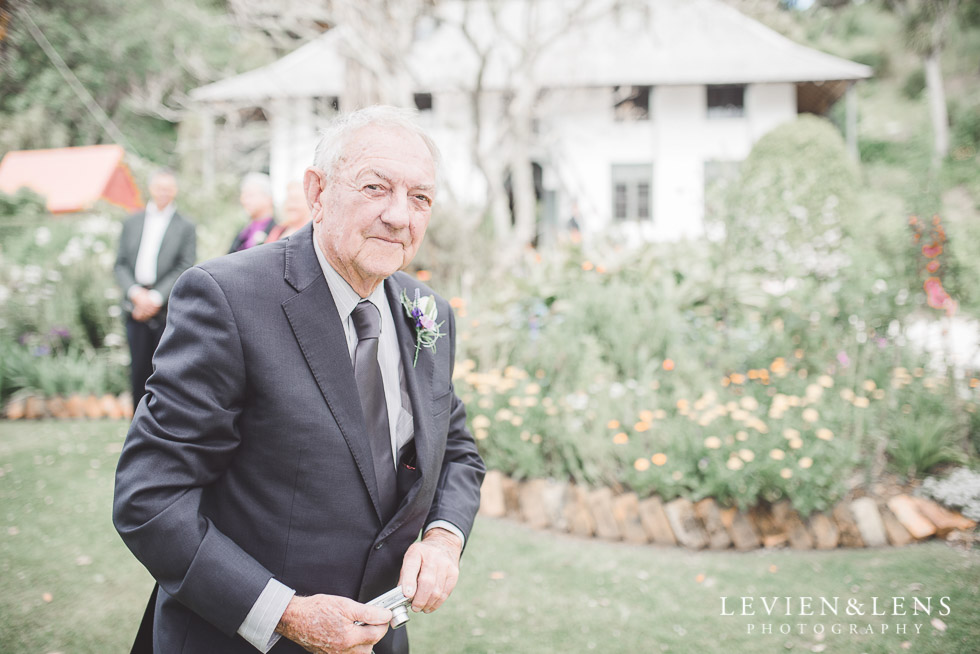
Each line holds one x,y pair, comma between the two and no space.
367,373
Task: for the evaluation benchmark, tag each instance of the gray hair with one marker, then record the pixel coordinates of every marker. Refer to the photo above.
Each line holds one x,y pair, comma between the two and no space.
334,138
259,181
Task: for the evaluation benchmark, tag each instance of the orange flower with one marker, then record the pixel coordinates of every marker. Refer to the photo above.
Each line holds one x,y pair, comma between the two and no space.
668,364
457,302
423,275
641,465
613,424
738,378
932,266
621,438
659,459
641,426
587,266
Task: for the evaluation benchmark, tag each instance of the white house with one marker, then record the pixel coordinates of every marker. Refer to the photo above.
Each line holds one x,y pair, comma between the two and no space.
636,106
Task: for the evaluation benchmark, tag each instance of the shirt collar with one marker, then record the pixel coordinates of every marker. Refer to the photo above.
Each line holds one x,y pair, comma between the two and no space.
345,297
153,211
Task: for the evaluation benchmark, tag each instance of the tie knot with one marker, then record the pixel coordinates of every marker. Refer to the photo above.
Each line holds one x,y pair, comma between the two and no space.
367,320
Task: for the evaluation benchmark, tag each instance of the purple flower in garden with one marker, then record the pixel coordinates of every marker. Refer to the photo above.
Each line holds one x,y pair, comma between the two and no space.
60,332
843,358
882,342
42,351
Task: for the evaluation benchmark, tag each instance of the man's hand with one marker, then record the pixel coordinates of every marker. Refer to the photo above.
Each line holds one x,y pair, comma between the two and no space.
324,624
430,569
144,305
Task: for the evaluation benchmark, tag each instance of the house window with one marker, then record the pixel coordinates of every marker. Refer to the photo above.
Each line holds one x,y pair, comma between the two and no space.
631,103
423,101
726,101
326,106
632,186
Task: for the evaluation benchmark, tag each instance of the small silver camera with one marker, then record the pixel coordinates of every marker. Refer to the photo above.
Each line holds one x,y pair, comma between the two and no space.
397,603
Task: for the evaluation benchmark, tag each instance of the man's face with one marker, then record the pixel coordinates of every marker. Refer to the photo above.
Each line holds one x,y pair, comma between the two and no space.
163,190
371,213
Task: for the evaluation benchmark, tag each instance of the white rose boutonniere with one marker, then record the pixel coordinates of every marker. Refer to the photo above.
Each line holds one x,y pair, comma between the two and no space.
423,312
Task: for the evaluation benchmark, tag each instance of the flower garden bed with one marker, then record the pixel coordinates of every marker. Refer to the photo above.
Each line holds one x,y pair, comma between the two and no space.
33,406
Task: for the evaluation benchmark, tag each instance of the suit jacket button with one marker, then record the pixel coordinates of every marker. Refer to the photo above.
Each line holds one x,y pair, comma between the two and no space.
379,545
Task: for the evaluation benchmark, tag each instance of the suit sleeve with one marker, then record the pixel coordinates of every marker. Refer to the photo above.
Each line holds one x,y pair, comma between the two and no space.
125,259
457,497
181,440
186,257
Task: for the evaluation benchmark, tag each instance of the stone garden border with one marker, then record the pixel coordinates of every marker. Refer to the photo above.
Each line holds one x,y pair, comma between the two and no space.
33,406
602,513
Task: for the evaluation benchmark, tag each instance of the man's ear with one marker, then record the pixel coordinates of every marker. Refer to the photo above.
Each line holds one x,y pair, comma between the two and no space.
314,181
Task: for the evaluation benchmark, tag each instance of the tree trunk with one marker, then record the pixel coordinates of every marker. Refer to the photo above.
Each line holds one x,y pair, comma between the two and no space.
937,105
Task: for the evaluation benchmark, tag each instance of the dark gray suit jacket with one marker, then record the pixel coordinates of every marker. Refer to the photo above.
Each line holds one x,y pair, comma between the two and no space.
248,459
178,252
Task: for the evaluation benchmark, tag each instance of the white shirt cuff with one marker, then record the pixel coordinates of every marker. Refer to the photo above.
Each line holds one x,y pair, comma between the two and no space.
259,627
448,526
131,291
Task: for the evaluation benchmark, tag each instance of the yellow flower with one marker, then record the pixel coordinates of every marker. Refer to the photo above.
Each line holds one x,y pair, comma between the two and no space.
621,438
517,421
777,454
734,463
536,439
480,434
612,424
811,415
525,435
485,403
737,378
677,475
796,443
682,404
712,442
759,426
480,421
789,433
878,394
806,462
552,411
826,381
825,434
869,385
532,389
846,394
749,403
785,473
861,402
742,435
641,464
641,426
504,415
659,459
747,455
646,416
660,414
530,400
515,401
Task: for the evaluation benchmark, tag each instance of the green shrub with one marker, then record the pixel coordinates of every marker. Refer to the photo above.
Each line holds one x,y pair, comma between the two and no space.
915,84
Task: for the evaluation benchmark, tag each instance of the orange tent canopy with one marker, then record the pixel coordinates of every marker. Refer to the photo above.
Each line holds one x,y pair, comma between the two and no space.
72,179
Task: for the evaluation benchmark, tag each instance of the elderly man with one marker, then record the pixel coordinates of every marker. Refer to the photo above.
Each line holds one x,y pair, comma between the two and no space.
301,428
155,247
256,199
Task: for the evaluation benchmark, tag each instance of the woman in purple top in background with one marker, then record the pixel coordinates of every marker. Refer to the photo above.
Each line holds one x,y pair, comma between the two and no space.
256,200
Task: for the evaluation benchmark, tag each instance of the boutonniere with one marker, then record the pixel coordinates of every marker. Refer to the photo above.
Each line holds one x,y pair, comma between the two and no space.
423,312
260,237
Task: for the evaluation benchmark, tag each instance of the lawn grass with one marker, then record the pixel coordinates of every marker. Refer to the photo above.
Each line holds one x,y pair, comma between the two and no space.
67,583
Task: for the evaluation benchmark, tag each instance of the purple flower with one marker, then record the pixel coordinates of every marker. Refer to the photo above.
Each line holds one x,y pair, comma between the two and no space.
427,323
843,358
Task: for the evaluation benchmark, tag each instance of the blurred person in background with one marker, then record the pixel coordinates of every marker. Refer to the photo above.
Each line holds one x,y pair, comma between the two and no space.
295,212
256,200
155,247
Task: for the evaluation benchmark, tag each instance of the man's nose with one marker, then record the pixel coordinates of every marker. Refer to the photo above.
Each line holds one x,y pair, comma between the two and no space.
396,213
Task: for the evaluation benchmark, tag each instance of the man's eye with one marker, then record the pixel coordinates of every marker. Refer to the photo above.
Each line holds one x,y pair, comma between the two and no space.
373,187
424,199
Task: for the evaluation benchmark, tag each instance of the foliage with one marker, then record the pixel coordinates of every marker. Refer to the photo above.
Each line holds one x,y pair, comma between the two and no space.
59,313
793,200
137,65
959,489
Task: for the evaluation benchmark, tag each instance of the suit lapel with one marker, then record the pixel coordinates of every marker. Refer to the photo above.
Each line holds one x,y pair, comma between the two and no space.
312,314
168,245
419,379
